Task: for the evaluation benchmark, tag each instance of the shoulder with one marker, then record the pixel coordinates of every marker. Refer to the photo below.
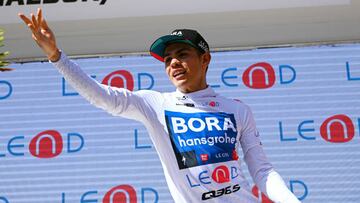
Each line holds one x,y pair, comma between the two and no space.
147,93
234,103
150,96
155,94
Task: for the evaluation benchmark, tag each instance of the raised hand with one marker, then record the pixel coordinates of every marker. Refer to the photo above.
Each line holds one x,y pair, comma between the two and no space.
42,34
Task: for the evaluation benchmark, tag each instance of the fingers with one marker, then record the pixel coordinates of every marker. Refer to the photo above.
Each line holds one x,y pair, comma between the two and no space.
41,33
28,22
34,37
39,16
34,21
6,69
45,25
37,25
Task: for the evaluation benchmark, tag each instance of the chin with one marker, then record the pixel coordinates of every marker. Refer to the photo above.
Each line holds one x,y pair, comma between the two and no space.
179,84
182,88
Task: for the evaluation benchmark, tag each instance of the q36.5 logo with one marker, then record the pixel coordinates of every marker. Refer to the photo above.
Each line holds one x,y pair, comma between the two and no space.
221,174
46,144
120,79
335,129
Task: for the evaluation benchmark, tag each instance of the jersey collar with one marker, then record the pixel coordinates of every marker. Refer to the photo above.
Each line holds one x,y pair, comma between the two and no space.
207,92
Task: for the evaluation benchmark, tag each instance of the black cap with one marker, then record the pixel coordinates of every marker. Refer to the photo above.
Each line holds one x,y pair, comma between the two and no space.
187,36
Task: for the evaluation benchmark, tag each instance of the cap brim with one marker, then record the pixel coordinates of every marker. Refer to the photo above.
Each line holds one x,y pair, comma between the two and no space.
157,49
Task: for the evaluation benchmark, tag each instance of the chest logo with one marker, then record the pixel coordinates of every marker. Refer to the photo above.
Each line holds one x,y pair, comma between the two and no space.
202,138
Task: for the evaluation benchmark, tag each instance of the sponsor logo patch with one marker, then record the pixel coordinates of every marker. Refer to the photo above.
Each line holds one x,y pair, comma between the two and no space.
218,193
194,134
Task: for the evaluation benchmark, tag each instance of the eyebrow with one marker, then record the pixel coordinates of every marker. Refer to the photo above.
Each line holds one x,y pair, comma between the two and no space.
180,50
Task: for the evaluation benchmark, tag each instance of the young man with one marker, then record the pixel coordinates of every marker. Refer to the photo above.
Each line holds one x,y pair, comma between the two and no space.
193,129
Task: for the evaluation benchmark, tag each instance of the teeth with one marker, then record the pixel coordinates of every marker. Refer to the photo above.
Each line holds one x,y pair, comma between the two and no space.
178,73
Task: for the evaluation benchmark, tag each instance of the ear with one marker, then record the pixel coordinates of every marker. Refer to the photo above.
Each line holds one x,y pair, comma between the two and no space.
206,59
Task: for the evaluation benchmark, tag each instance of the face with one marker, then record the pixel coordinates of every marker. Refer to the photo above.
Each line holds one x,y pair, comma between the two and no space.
186,67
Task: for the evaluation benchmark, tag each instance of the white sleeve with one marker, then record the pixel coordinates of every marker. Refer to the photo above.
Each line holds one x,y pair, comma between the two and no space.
117,101
277,191
262,172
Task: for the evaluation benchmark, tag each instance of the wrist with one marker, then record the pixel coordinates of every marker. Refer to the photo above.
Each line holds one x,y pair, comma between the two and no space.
55,56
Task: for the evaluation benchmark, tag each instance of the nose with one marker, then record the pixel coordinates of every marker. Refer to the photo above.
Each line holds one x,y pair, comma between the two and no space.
174,62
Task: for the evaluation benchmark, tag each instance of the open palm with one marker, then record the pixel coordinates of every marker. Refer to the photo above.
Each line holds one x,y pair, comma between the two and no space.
42,34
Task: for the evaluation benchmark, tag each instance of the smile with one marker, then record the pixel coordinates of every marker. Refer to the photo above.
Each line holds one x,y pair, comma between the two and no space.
178,74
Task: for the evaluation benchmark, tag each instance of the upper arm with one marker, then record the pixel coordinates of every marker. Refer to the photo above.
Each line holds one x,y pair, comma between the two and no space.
249,135
117,101
254,156
138,105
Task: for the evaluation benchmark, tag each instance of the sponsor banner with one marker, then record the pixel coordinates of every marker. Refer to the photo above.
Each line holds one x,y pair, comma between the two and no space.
64,10
56,147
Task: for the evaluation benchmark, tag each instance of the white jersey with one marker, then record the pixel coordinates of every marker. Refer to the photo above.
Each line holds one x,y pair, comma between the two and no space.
196,136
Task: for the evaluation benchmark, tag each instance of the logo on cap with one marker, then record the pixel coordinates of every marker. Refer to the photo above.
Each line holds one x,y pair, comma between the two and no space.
179,33
203,46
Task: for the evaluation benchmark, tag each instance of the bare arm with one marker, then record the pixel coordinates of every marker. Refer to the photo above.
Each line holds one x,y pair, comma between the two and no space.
42,34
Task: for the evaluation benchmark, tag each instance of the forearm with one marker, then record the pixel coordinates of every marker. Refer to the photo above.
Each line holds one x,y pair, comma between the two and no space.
96,93
266,178
262,172
277,191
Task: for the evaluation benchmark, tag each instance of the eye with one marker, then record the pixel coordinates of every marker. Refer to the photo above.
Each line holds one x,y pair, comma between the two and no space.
167,60
183,54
